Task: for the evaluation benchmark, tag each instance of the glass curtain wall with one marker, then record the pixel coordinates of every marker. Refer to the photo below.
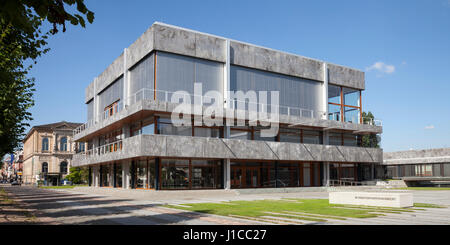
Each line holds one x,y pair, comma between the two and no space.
191,174
294,92
110,96
179,73
105,173
344,104
271,174
142,79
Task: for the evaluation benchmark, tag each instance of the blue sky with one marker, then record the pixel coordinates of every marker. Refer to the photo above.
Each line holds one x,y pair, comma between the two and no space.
403,46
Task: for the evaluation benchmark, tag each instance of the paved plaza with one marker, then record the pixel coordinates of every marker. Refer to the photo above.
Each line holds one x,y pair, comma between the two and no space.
85,205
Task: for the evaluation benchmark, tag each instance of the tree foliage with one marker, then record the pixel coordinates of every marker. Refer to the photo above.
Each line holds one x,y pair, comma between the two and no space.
22,41
78,175
371,140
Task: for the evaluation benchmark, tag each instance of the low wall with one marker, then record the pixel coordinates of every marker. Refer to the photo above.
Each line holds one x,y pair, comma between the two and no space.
382,199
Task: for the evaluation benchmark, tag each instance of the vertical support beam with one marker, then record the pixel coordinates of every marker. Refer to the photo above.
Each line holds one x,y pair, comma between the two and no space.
227,174
125,175
126,79
325,90
96,106
157,173
226,76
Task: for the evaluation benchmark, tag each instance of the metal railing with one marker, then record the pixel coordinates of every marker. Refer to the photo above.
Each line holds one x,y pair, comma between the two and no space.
345,182
103,149
161,95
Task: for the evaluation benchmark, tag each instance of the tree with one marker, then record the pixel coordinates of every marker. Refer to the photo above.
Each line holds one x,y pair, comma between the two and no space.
22,41
78,175
371,140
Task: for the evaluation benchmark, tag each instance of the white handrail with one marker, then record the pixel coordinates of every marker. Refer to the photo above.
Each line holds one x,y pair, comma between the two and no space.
151,94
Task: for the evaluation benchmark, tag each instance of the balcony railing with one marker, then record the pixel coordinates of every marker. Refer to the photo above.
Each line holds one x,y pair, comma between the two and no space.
160,95
104,149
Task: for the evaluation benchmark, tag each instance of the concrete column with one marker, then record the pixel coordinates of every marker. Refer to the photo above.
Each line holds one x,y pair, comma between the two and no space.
126,81
226,174
96,175
126,175
96,104
226,75
325,90
326,174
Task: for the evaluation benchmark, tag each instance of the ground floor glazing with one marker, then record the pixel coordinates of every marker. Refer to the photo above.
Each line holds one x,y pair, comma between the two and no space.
186,174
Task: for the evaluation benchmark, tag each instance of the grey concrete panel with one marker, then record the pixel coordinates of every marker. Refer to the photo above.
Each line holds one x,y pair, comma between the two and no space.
209,47
112,72
438,155
216,148
354,154
153,145
249,149
344,76
174,40
180,146
275,61
89,92
199,147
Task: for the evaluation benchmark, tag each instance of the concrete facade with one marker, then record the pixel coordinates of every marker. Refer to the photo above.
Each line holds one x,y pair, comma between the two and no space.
428,167
163,38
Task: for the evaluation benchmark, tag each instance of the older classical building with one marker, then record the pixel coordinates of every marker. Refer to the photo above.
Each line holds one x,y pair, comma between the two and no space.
133,141
48,151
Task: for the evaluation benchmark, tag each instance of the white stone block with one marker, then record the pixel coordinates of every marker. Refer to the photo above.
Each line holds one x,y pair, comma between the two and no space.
382,199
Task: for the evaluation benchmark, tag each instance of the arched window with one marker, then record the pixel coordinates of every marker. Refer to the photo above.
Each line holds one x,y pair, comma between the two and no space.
63,144
45,167
45,144
63,167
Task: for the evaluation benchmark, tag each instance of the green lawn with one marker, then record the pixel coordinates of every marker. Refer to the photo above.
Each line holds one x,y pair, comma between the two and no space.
425,188
303,209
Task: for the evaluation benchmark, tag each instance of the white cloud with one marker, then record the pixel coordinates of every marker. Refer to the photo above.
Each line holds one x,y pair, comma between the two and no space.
429,127
382,67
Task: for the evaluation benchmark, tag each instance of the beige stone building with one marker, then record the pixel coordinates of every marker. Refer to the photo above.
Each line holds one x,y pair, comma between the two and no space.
48,151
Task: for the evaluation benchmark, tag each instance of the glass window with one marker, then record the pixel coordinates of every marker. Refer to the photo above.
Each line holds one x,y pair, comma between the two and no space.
352,114
45,144
166,127
141,174
312,137
148,126
45,167
118,175
105,171
63,168
291,135
334,94
206,174
174,174
63,144
207,132
335,139
351,140
351,96
334,112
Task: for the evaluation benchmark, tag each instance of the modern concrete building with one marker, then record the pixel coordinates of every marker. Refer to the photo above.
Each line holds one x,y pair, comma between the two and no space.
48,151
133,141
430,167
